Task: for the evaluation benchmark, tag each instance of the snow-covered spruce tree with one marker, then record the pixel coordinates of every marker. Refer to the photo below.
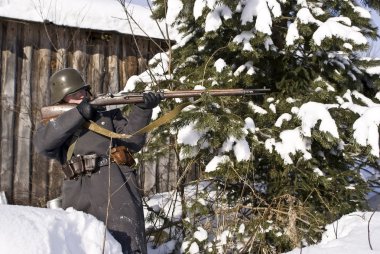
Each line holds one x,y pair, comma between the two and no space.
276,168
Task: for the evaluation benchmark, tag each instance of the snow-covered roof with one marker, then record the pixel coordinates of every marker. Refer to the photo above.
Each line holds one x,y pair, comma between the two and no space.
104,15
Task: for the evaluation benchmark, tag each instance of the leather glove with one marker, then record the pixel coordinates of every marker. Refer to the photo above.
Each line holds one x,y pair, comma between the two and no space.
86,109
151,100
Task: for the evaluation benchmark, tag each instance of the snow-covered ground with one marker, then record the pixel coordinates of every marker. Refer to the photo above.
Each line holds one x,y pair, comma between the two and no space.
55,231
31,230
355,233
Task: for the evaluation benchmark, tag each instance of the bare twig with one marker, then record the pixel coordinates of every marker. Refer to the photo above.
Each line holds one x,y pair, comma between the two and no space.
109,196
336,229
39,9
130,19
204,70
369,234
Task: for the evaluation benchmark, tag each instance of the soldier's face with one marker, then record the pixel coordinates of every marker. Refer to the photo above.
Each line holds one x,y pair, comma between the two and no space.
77,97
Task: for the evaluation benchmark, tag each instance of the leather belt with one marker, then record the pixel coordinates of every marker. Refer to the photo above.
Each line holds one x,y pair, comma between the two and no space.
89,164
102,161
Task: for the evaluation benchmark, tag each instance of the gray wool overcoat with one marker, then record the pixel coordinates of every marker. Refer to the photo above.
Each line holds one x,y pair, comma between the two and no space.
90,193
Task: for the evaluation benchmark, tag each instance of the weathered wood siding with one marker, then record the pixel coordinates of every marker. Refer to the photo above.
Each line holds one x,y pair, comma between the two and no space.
30,53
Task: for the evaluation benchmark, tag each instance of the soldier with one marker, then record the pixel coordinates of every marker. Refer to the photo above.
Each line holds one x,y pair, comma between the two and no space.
91,178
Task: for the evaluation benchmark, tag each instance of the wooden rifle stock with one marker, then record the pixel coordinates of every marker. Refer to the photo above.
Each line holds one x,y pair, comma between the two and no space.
53,111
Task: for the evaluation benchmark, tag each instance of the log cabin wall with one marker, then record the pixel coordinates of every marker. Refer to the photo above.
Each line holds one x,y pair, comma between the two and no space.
30,53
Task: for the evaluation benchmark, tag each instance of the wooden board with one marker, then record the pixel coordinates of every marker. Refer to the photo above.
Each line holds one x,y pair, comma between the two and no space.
8,100
23,128
41,97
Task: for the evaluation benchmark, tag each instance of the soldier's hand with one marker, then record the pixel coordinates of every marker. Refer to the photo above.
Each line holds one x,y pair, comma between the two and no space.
151,100
86,109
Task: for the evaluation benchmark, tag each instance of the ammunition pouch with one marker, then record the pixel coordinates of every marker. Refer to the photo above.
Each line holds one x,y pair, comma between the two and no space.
80,165
89,164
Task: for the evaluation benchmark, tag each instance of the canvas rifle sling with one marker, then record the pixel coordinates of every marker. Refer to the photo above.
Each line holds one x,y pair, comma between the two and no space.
73,141
156,123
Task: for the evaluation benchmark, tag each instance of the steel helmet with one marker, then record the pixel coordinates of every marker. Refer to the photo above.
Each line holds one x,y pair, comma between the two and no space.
64,82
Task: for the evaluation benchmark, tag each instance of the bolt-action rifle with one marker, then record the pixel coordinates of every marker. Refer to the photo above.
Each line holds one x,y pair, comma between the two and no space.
53,111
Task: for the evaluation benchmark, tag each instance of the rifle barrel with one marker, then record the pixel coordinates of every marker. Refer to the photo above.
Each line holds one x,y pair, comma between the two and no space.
216,92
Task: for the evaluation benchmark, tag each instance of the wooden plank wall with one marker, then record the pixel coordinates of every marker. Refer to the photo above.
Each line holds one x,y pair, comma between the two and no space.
29,54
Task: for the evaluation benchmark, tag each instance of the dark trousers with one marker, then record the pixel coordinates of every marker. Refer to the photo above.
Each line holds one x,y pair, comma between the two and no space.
124,216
